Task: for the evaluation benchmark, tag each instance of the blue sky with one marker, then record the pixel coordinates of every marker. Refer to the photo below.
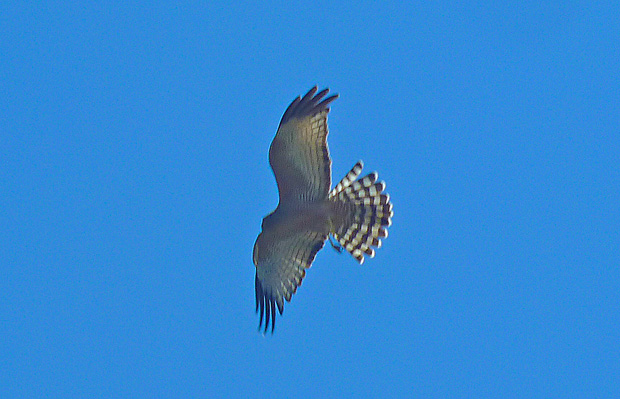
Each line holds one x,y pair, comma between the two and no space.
134,176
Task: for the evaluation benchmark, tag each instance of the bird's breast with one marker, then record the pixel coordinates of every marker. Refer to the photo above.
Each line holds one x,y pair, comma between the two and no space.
312,216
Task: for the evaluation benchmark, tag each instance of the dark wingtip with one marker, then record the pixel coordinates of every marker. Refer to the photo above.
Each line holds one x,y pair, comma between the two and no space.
322,93
310,93
267,316
266,307
258,291
308,105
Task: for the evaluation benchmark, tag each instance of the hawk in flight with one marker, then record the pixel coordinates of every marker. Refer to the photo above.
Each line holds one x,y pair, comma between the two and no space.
355,212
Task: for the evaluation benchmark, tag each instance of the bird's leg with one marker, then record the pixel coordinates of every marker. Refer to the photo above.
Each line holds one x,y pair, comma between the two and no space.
336,246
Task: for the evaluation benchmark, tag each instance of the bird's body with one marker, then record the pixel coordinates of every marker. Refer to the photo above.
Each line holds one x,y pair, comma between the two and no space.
312,215
354,212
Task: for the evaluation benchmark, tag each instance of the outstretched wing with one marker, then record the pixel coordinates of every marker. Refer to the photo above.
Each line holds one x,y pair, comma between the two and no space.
298,154
281,262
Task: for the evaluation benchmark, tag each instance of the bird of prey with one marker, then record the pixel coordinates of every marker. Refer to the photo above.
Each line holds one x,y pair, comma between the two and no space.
355,212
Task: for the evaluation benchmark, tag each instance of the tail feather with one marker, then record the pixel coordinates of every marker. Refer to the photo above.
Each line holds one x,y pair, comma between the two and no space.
362,213
348,179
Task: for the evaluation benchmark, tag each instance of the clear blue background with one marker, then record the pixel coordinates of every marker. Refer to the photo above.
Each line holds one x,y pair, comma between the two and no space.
134,176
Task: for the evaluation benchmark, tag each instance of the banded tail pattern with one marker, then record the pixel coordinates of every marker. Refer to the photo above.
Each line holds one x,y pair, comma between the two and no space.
362,212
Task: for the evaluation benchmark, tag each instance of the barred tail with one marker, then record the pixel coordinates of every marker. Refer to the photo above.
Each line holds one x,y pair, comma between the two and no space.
361,213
